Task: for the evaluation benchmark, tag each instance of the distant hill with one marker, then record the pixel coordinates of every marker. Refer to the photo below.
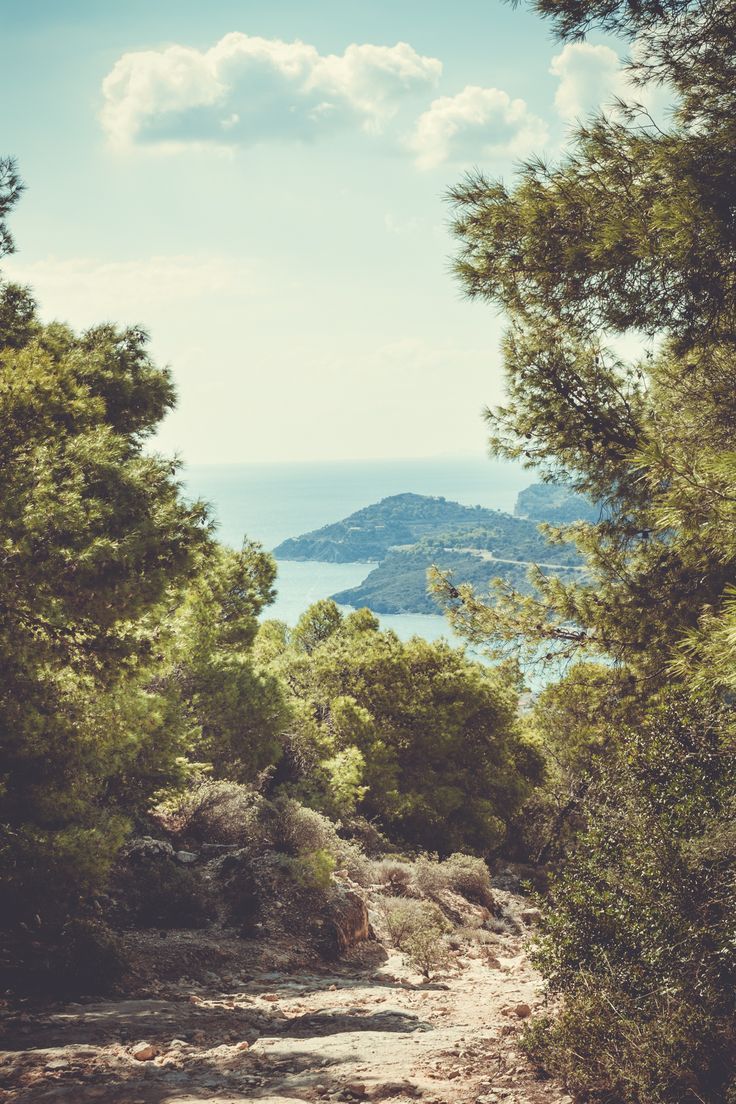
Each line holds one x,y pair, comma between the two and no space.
555,504
408,533
399,583
368,534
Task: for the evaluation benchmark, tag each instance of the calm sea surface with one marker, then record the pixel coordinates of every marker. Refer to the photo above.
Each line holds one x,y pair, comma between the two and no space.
269,502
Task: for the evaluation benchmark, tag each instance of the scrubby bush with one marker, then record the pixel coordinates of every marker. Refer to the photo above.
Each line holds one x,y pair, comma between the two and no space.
301,831
395,874
157,893
313,870
638,939
462,874
418,928
427,950
216,812
404,917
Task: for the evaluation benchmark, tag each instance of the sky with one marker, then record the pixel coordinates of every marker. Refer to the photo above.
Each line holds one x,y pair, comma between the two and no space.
262,187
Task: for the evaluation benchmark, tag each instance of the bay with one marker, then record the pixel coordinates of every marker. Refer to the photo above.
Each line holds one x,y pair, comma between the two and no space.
270,502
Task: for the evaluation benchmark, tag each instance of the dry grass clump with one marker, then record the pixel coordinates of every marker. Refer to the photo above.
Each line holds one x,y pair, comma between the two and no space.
472,935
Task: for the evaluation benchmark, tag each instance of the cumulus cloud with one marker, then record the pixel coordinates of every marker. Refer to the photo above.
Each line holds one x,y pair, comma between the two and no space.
246,89
592,77
476,123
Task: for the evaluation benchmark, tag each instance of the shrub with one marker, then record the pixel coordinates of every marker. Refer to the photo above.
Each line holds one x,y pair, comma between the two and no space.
302,831
427,950
637,940
156,893
216,812
91,958
405,917
470,878
397,876
463,874
418,928
314,870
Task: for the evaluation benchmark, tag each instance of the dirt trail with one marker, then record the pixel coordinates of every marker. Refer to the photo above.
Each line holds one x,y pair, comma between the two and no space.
358,1032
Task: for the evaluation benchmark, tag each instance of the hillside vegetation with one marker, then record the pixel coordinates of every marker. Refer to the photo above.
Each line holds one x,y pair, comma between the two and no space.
411,533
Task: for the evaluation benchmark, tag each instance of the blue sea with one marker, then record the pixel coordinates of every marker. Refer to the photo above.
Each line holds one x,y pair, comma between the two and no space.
269,502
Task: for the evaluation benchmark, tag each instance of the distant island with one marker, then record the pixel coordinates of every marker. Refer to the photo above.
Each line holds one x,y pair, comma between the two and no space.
407,533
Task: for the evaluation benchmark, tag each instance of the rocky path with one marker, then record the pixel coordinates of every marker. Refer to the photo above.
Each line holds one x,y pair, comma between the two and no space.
360,1033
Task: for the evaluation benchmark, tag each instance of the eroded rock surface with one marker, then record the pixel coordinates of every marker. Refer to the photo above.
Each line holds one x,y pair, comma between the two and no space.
274,1028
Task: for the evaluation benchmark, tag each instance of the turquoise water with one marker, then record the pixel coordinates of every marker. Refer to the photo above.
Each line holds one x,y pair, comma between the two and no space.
269,502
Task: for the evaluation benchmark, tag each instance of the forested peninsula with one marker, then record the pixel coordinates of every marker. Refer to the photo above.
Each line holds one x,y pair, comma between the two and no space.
409,533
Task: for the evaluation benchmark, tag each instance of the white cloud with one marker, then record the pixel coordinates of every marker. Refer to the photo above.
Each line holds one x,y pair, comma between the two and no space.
246,89
476,123
84,291
590,77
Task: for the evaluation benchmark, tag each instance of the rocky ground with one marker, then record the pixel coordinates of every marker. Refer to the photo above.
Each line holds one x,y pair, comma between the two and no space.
264,1024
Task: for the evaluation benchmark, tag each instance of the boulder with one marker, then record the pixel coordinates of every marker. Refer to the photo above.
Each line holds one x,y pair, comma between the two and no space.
345,922
142,848
144,1052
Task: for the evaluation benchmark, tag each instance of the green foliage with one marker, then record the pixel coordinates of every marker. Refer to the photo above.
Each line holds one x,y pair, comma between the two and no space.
411,734
314,869
94,536
574,723
157,893
234,712
464,874
427,951
629,233
125,632
418,928
638,935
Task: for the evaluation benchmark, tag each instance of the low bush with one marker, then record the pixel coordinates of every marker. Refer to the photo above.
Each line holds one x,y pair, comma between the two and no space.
404,917
460,873
427,950
215,812
418,928
91,958
469,877
157,893
314,870
302,831
397,876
